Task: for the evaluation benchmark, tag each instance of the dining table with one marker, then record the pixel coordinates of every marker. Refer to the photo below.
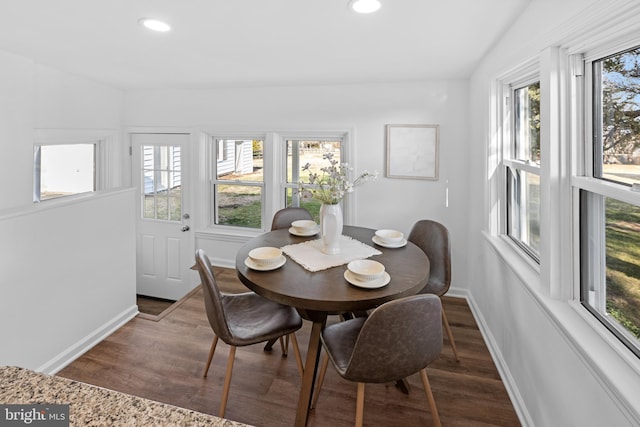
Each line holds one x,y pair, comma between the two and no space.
318,294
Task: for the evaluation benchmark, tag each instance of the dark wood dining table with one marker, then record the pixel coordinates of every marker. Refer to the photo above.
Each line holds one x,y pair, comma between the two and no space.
318,294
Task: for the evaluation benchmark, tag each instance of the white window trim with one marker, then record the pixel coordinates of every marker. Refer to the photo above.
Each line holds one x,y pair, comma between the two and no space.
107,154
273,196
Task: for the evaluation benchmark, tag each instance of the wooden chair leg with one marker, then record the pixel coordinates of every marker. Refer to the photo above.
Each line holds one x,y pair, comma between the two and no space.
445,322
360,405
323,371
296,353
227,380
432,401
211,351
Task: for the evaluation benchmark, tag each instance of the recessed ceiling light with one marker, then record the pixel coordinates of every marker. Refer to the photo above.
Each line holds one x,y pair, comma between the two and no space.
154,24
364,6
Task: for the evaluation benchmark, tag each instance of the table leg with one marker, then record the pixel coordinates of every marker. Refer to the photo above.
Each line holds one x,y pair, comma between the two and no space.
310,370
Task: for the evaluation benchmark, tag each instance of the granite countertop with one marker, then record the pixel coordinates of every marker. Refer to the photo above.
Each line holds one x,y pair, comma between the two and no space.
95,406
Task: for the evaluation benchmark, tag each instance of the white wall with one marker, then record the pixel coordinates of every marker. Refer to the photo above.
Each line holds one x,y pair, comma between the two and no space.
67,268
365,109
561,372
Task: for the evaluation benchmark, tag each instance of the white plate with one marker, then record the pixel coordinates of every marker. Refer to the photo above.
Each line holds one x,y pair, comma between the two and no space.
372,284
400,244
255,266
311,232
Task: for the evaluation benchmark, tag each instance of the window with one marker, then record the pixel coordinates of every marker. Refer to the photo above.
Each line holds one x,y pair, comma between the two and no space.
522,164
64,170
162,175
299,153
238,183
609,210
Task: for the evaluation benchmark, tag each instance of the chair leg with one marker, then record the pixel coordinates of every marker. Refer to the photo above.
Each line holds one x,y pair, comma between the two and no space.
432,402
296,352
445,322
227,380
268,346
211,351
360,405
284,345
323,371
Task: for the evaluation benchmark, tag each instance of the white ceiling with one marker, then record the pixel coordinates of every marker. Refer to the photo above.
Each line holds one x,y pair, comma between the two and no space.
221,43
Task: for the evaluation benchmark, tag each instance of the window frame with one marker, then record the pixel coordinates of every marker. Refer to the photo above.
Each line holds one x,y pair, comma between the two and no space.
214,157
585,181
105,155
529,73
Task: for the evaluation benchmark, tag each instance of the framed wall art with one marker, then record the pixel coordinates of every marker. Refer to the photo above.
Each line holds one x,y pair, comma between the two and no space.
412,151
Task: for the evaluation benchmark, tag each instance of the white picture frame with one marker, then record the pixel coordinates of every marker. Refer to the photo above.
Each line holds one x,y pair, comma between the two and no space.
412,151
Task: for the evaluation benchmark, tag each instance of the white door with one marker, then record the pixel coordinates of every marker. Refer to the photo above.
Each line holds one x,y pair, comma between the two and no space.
164,240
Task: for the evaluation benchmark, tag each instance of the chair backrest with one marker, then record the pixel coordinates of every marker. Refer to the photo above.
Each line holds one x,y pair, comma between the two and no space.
433,238
284,217
398,339
212,297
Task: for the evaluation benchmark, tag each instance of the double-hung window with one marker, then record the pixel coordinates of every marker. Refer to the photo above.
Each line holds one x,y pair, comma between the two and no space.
608,195
238,182
522,164
300,152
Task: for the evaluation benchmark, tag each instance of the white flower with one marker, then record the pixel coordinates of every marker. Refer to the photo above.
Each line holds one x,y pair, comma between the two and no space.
333,183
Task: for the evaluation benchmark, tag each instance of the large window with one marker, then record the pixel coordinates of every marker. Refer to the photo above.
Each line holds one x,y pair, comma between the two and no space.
609,210
238,182
522,165
298,154
64,170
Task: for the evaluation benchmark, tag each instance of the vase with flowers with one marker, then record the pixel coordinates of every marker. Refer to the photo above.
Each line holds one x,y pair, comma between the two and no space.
329,187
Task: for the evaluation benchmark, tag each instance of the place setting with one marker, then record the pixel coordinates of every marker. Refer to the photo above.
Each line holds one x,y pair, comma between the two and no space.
304,228
389,238
265,258
366,273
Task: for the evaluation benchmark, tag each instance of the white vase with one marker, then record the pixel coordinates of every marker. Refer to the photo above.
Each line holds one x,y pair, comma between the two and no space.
331,228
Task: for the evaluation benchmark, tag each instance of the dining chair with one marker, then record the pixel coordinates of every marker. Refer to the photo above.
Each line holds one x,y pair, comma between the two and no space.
433,238
397,339
284,217
243,319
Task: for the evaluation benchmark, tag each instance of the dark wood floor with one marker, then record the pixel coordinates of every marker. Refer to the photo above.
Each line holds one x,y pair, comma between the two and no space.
163,360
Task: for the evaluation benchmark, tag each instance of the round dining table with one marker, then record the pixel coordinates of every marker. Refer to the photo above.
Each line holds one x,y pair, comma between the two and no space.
318,294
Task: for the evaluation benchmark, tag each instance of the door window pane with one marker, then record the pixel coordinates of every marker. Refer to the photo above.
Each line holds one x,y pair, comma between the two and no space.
161,175
617,117
64,170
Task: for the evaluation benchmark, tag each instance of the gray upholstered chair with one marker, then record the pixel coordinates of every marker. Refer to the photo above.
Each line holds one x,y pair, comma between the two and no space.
398,339
243,319
284,217
433,238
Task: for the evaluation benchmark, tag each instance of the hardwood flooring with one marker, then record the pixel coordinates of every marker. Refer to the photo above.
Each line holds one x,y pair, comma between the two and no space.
163,360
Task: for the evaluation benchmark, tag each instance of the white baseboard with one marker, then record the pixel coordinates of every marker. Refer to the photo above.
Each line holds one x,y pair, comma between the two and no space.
496,355
85,344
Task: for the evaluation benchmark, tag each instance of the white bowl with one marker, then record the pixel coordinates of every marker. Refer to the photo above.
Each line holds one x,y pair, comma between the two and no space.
265,256
365,269
390,236
303,225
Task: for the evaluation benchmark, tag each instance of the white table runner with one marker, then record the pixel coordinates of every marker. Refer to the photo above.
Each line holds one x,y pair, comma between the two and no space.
309,254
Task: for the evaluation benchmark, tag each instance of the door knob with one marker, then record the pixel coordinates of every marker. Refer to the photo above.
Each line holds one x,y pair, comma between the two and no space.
185,228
